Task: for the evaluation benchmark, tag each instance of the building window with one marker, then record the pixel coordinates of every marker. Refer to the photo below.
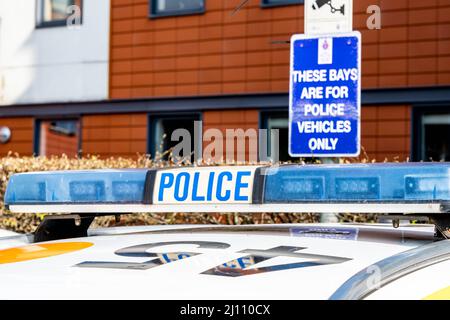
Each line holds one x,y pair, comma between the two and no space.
435,137
163,8
273,3
57,137
161,130
52,13
280,121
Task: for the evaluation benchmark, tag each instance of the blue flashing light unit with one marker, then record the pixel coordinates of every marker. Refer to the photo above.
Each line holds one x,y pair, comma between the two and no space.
288,188
409,182
69,187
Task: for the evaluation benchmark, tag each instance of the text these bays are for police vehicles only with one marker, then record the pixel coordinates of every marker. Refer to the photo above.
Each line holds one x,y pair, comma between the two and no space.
325,95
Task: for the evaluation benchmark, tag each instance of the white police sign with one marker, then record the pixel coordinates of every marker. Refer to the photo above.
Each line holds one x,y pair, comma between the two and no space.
325,95
204,185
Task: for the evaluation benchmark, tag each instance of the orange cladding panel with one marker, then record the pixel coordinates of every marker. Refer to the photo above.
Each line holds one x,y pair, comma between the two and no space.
223,53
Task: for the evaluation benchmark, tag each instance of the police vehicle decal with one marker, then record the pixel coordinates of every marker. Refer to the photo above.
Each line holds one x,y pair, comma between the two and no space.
443,294
339,233
242,266
38,251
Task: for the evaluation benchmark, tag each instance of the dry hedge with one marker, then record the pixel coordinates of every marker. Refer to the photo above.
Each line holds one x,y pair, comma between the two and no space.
26,223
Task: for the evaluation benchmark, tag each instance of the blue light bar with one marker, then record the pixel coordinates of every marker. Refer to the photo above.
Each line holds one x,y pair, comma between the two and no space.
382,188
68,187
407,182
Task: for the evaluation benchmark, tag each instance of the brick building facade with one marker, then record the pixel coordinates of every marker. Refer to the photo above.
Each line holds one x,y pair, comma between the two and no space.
231,70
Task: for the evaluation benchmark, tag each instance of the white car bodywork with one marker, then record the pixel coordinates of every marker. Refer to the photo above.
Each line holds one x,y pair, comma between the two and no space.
61,277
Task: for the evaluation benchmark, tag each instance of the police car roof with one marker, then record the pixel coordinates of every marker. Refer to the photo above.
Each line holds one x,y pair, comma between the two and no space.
293,261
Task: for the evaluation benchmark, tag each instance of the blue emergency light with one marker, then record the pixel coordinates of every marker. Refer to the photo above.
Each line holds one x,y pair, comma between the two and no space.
69,187
393,188
359,182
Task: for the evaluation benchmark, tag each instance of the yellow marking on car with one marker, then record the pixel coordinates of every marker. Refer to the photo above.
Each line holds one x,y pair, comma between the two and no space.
38,251
443,294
